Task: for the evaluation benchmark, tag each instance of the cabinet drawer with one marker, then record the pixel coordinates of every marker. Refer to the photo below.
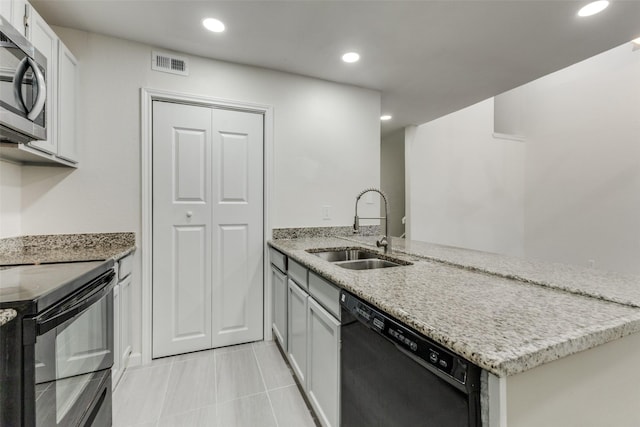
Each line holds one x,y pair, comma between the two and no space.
125,267
326,293
278,259
299,274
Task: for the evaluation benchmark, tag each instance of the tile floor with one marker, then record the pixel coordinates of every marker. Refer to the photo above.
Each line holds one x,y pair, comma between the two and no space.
246,385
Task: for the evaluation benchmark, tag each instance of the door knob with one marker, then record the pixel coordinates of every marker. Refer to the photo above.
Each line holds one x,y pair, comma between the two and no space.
189,214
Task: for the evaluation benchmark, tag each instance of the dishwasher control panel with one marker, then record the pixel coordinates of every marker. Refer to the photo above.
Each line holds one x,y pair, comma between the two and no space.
411,342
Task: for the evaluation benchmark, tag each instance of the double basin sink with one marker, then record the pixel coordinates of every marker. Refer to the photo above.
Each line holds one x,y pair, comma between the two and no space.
357,258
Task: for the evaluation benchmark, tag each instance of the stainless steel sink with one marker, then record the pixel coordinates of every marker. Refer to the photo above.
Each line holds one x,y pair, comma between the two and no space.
358,258
345,255
367,264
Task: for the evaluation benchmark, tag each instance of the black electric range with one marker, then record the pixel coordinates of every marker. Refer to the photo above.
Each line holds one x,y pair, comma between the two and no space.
33,288
58,351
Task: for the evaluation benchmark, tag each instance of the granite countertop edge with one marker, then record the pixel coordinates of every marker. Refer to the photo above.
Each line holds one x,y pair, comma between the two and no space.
46,249
7,315
507,361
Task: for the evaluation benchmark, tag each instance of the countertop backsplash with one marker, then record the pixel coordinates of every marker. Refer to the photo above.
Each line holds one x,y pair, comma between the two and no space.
307,232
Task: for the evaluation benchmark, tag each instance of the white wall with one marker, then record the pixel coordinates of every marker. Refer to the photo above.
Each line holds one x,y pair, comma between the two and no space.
569,193
320,128
326,142
392,179
466,187
582,126
10,199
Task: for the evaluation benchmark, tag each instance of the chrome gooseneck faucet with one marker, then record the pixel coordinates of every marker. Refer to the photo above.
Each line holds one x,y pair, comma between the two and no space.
384,241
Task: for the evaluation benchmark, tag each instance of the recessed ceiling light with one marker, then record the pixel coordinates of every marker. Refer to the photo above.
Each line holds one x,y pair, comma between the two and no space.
213,24
351,57
385,117
593,8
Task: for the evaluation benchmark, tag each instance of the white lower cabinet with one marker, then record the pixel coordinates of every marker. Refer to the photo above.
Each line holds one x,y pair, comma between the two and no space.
122,319
323,363
306,311
125,321
279,305
297,300
116,369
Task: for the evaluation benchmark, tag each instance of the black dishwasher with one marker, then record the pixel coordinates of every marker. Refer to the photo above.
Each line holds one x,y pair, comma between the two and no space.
392,376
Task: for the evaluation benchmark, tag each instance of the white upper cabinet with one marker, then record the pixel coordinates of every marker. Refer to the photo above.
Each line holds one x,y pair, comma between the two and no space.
61,74
13,11
67,93
46,41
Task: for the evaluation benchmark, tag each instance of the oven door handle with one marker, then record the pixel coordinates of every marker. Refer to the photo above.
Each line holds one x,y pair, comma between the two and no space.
48,321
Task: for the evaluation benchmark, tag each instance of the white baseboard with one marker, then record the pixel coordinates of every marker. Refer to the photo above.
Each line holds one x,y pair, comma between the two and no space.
135,359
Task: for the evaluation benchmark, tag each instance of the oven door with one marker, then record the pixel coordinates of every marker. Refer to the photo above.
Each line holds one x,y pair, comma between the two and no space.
74,355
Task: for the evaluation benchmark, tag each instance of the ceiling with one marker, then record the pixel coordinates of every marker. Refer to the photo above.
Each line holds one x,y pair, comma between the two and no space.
427,58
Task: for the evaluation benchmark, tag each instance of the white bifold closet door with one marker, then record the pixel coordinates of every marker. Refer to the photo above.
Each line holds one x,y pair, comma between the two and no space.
207,227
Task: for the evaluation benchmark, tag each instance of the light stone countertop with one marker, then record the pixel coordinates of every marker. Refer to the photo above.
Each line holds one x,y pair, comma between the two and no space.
469,302
7,315
56,248
607,285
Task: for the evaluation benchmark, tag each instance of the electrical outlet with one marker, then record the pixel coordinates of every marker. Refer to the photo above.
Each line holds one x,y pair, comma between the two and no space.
326,212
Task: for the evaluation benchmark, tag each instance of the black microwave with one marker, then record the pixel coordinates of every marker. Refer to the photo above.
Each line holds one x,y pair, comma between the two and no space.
23,88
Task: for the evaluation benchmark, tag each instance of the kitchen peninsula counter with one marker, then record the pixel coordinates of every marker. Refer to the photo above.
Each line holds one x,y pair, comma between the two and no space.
503,314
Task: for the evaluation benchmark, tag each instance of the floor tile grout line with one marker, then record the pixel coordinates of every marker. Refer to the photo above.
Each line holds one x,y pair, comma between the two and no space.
166,392
289,371
273,411
196,408
283,387
243,397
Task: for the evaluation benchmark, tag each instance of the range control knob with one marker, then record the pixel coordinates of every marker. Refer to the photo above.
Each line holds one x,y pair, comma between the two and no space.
413,346
433,357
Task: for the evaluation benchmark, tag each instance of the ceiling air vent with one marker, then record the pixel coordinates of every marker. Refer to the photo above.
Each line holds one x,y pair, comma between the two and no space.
168,63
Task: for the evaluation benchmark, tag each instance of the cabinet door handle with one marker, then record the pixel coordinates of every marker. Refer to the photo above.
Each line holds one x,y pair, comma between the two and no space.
189,214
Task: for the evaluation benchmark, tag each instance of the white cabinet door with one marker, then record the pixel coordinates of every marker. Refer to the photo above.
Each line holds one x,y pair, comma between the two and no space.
279,306
116,369
297,328
46,41
125,322
67,91
6,11
14,12
323,364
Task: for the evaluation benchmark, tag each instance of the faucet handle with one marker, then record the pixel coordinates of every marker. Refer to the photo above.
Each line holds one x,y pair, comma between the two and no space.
383,242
